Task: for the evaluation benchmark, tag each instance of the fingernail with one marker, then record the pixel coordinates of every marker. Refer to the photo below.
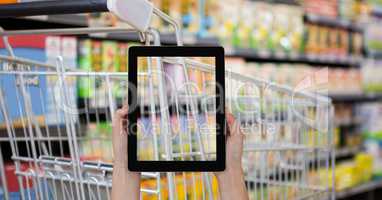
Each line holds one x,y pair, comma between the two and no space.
230,118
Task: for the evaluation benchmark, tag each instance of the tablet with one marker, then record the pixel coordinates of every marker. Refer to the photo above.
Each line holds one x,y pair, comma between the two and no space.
176,119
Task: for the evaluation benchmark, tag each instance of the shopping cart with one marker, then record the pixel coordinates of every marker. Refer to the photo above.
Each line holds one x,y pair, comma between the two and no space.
57,155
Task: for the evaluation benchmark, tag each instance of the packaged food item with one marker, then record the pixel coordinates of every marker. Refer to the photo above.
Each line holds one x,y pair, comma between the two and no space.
295,30
110,61
185,9
372,76
263,35
357,45
228,22
96,66
90,145
346,176
364,164
165,6
311,47
323,45
120,87
96,144
344,43
123,57
85,84
12,179
333,42
96,56
327,8
208,24
189,185
191,15
9,1
245,26
69,61
280,39
53,98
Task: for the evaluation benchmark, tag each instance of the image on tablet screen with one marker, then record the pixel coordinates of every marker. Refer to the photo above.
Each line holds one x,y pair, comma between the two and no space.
177,110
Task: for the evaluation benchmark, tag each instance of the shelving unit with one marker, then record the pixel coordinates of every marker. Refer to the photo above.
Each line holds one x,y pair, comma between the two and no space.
44,22
364,188
253,56
289,2
346,152
191,39
356,98
325,21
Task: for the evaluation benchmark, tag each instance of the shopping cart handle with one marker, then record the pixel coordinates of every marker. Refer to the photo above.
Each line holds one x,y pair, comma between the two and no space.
52,8
135,12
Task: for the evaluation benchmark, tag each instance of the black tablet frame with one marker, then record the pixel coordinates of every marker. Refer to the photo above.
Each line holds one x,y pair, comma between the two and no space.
168,166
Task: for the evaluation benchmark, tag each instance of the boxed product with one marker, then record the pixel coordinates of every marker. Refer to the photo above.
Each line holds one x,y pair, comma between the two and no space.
372,76
42,90
85,84
66,47
327,8
97,144
188,185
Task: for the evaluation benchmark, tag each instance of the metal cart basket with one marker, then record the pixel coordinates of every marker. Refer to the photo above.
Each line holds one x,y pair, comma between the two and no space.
288,149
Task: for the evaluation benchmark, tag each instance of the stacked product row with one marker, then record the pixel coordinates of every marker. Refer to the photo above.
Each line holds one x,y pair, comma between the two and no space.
333,80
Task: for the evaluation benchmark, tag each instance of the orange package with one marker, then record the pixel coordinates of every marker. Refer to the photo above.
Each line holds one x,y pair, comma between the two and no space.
7,1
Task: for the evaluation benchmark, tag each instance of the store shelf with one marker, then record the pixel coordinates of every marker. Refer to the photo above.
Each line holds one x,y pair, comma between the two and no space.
44,22
348,122
327,21
75,20
355,98
347,152
166,38
366,187
288,2
247,53
252,55
375,55
37,8
51,131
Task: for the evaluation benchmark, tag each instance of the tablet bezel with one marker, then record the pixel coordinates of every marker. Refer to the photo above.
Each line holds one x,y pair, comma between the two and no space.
176,51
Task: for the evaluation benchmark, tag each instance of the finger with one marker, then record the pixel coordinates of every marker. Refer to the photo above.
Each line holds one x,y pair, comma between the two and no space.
125,104
233,125
120,117
229,119
121,113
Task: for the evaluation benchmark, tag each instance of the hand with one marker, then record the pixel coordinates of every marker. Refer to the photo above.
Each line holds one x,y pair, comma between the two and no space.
234,147
126,184
120,138
231,181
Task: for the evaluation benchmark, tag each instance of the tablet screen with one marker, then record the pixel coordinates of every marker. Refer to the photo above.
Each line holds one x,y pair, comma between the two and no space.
176,102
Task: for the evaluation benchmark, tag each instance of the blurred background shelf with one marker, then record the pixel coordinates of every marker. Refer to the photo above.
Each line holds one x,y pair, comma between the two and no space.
356,98
332,22
346,152
267,57
288,2
166,38
357,190
45,22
